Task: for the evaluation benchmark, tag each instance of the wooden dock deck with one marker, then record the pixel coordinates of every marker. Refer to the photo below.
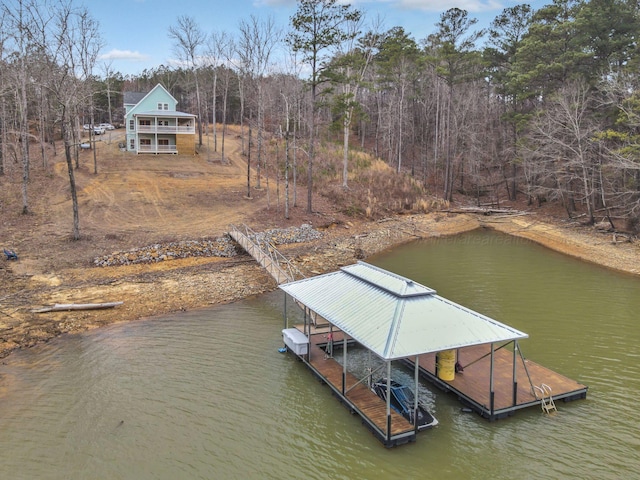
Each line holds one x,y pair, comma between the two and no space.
473,385
356,395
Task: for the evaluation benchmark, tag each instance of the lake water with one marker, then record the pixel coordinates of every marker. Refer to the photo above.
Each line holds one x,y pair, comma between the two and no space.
205,394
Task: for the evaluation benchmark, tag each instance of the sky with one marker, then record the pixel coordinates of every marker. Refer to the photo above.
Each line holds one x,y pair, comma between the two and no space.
135,32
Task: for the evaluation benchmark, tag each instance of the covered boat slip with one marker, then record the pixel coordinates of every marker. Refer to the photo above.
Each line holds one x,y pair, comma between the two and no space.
354,393
398,319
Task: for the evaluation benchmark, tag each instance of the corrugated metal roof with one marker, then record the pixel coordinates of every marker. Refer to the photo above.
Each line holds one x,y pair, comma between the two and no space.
394,316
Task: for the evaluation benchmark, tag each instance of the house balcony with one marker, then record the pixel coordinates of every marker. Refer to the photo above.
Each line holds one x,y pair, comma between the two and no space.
158,149
172,129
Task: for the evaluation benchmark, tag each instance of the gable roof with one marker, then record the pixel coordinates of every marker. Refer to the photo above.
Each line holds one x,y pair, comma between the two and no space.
140,102
158,87
394,316
133,98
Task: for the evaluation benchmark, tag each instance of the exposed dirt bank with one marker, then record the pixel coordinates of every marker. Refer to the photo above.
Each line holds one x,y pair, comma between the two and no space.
183,284
137,201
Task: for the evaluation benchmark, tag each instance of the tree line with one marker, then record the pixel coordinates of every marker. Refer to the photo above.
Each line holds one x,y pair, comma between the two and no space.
542,105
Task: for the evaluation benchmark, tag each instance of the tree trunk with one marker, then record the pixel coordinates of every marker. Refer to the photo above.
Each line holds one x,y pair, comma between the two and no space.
72,180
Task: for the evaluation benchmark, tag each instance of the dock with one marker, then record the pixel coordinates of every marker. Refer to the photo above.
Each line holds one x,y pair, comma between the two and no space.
509,390
398,319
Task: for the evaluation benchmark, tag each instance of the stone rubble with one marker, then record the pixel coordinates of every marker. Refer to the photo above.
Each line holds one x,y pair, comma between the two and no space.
223,246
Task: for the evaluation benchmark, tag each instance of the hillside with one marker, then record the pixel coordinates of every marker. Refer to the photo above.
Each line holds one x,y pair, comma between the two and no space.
135,201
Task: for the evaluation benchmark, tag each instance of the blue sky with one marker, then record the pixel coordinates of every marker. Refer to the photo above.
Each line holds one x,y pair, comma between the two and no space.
135,32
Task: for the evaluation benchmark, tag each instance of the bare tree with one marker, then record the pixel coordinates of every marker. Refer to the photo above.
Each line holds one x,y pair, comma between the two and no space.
70,39
256,43
189,39
4,89
107,70
349,71
20,17
563,150
214,54
226,76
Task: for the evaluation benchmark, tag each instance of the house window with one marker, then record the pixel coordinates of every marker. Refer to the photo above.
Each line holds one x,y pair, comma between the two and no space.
145,142
163,106
145,123
132,144
163,123
132,125
163,141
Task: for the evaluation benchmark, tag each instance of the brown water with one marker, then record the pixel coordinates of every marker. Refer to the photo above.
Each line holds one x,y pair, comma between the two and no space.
207,395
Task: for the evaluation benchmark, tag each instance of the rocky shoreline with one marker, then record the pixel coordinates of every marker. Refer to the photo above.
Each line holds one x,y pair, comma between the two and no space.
155,287
223,246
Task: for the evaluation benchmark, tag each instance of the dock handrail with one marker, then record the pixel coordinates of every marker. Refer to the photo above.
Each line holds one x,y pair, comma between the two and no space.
268,256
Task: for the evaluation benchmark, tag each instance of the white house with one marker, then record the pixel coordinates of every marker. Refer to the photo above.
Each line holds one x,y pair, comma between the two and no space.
153,124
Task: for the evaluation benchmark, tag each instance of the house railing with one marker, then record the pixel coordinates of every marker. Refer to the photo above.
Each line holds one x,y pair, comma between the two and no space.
166,129
157,149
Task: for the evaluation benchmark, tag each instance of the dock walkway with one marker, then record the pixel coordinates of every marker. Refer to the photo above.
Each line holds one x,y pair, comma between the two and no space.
474,385
276,264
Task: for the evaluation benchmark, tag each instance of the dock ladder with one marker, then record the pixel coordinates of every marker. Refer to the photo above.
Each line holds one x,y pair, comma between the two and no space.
546,399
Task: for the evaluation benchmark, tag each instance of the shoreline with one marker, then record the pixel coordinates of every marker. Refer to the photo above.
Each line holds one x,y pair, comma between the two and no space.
152,290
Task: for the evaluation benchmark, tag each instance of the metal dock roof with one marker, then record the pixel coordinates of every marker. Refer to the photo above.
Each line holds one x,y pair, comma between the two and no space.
394,316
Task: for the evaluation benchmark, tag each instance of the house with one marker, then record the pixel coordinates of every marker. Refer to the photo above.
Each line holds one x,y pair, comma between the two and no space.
153,125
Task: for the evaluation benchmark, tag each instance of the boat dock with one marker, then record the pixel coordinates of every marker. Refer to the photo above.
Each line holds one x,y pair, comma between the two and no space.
499,390
398,319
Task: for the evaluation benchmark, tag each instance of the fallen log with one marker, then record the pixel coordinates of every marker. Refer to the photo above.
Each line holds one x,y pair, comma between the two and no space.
486,211
63,307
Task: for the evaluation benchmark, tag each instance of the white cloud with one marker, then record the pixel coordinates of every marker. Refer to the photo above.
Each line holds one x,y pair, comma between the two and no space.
444,5
274,3
116,54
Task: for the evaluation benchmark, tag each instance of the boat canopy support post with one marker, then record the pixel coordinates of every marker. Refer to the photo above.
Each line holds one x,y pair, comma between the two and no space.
304,320
388,401
285,312
344,363
491,387
416,372
515,374
307,332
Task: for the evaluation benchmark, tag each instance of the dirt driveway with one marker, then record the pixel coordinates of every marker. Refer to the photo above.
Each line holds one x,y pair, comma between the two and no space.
133,201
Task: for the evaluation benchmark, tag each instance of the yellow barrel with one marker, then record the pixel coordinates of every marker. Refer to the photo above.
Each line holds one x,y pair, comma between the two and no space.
447,365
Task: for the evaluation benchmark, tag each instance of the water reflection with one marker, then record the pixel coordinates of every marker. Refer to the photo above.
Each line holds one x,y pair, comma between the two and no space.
207,395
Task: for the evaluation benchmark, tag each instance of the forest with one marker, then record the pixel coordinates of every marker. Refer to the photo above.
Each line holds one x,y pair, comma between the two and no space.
541,106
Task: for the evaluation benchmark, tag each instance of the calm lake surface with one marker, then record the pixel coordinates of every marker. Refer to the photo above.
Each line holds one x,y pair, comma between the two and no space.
206,394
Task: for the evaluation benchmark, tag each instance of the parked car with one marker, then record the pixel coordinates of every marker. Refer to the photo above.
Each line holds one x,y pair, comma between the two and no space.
98,130
107,126
86,126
